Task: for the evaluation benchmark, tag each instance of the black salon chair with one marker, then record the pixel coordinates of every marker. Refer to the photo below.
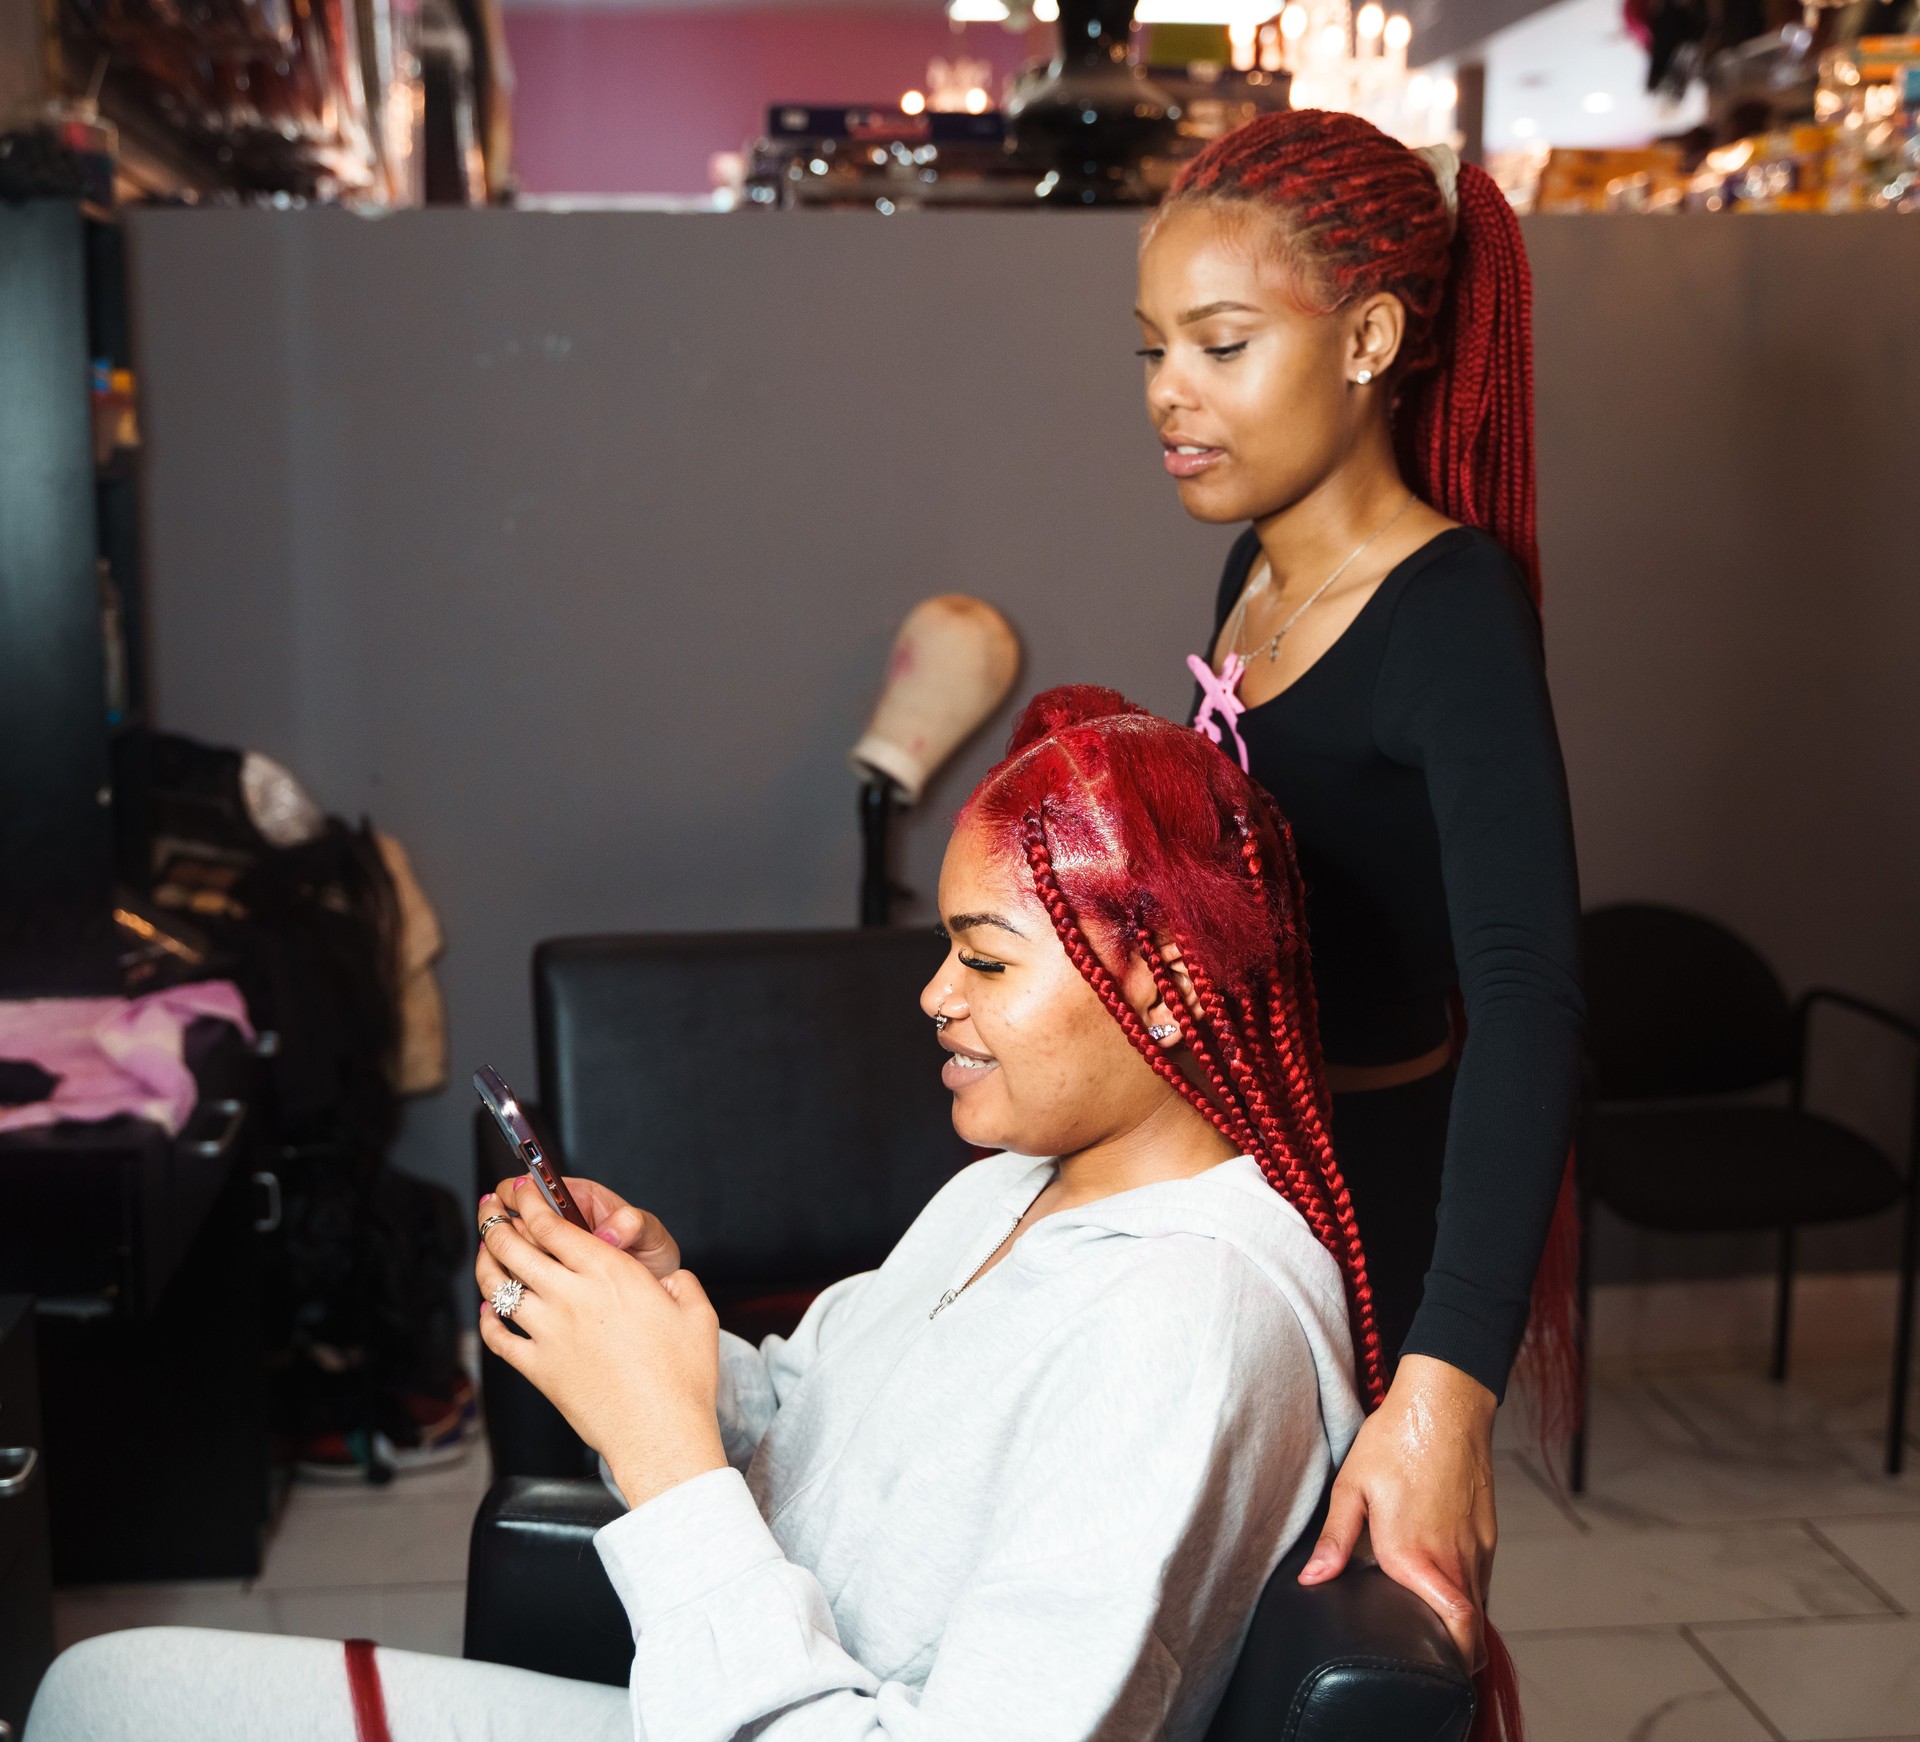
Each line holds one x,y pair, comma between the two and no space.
1685,1021
772,1097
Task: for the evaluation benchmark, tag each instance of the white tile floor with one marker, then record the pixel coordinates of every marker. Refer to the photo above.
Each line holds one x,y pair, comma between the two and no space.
1741,1572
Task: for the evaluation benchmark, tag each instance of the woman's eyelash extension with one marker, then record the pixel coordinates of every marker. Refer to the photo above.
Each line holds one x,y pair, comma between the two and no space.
1225,351
1152,351
980,967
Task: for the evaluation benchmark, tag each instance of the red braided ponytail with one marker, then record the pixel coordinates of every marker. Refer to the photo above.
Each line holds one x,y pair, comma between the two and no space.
1359,213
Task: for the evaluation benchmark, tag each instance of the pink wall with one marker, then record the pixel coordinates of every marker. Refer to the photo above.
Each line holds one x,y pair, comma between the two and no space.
618,102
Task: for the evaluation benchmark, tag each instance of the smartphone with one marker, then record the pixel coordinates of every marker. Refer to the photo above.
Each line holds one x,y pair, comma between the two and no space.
492,1089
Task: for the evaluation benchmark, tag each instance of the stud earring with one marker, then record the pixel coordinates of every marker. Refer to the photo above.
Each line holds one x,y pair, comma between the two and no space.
1363,378
1163,1031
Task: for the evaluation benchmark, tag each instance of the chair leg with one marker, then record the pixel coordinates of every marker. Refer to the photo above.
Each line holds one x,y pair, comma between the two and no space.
1903,1335
1783,1308
1583,1349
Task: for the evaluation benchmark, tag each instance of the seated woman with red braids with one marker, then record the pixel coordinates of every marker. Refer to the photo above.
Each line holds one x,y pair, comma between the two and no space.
1029,1477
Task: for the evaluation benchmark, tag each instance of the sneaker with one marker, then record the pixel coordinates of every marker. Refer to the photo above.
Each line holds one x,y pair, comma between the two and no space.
447,1431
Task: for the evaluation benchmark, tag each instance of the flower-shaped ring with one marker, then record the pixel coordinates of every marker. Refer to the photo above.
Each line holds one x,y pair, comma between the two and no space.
506,1297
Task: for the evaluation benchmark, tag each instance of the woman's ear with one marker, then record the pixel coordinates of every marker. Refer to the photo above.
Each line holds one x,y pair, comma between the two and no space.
1143,993
1379,326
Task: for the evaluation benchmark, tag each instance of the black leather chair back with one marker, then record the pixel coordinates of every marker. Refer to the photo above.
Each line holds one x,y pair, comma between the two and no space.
1678,1005
774,1097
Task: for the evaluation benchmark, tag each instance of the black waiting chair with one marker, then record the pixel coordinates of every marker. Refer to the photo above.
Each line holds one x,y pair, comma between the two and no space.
1684,1016
774,1098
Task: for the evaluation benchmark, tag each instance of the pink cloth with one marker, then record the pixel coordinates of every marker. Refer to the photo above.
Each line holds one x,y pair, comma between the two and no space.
113,1055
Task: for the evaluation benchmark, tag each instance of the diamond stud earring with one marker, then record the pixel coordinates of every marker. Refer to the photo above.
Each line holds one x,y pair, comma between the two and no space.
1164,1031
1363,378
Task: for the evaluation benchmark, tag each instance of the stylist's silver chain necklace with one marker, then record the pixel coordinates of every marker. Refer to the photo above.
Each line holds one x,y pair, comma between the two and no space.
1272,647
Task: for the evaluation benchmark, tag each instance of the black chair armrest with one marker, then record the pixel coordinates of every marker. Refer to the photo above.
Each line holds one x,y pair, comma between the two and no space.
537,1595
1357,1660
1904,1026
1866,1007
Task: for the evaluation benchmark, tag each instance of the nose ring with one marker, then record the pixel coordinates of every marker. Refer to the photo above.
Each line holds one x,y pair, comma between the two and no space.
940,1022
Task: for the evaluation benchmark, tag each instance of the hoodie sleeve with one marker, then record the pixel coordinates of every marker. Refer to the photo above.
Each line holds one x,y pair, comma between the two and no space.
754,1382
1172,1450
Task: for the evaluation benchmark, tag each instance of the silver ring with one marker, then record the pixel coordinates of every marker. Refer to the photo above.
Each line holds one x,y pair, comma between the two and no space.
506,1297
497,1216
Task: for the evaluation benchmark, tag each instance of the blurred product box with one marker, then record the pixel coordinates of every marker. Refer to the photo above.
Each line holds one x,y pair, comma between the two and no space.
1640,179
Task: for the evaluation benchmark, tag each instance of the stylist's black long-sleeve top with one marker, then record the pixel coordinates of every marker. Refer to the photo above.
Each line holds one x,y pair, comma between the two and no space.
1418,764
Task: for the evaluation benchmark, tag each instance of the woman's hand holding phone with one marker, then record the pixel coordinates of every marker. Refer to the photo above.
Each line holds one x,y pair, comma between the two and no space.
628,1352
615,1221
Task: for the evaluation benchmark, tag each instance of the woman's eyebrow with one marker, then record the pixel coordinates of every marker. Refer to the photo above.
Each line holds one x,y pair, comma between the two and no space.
1207,310
968,921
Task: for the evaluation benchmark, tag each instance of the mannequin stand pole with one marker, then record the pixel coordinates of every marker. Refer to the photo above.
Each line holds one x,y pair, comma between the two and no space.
877,888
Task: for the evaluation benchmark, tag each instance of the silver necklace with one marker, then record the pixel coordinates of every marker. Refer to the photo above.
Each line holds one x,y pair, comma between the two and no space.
1272,648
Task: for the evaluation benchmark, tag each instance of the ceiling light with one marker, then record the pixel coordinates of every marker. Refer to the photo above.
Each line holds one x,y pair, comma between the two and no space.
1399,31
977,11
1370,21
913,102
1046,11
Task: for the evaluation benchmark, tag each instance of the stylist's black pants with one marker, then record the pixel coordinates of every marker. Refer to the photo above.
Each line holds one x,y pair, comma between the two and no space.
1390,1144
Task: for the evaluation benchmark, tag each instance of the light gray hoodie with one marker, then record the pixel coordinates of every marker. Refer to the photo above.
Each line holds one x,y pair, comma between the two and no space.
1043,1510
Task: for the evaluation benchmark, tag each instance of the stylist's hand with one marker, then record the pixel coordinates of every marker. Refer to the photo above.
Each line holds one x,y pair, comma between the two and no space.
1420,1480
615,1220
631,1359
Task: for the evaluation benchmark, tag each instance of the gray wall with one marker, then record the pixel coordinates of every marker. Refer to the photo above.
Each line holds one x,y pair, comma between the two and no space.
569,548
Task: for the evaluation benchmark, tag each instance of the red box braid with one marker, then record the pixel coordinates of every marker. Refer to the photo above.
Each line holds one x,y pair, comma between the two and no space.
1136,832
1357,213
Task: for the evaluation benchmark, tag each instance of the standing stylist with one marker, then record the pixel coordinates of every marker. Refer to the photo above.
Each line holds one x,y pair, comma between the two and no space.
1337,345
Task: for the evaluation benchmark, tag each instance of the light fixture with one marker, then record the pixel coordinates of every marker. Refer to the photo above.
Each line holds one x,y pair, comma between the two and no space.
1446,94
1597,103
913,102
977,11
1046,11
977,100
1351,55
1243,44
1216,12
